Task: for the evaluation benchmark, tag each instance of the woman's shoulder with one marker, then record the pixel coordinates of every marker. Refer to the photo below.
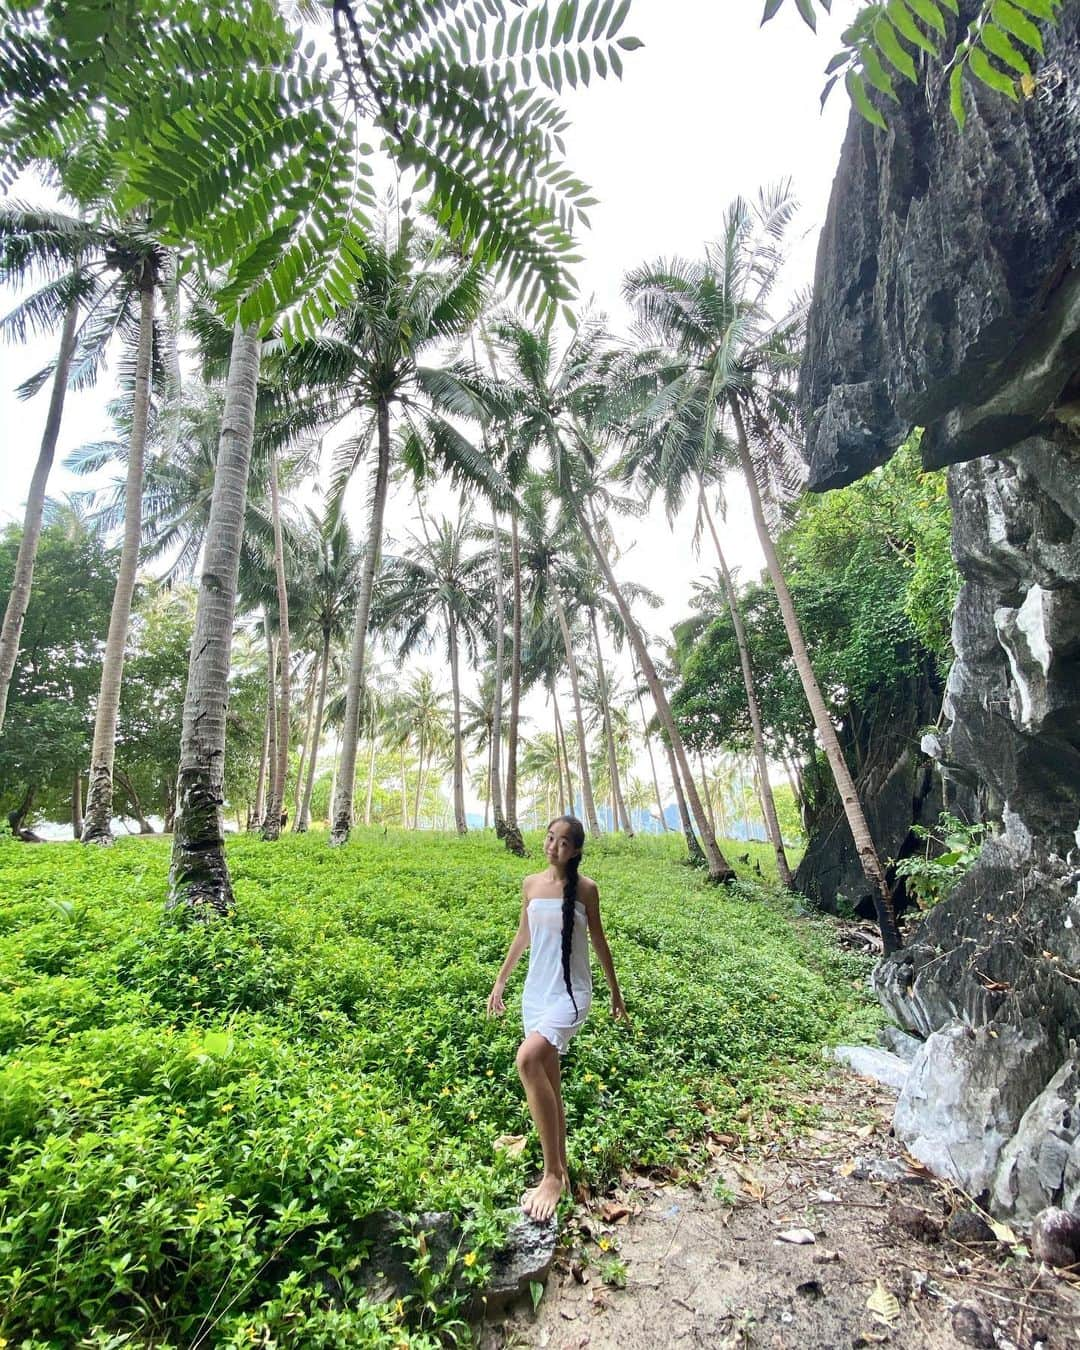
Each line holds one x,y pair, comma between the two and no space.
587,888
527,883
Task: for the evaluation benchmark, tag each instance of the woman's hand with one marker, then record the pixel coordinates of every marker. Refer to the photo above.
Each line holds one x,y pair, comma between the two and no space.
618,1009
495,1005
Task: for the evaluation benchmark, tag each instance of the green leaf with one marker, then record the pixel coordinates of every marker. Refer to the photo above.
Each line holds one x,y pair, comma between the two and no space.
875,72
996,42
990,75
956,95
1019,25
901,18
928,11
891,48
1042,9
856,87
809,14
828,88
772,8
618,20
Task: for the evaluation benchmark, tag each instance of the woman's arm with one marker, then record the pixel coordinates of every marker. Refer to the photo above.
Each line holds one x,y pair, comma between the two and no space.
591,898
495,1004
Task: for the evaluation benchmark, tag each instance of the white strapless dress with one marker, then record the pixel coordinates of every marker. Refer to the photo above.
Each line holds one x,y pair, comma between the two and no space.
546,1006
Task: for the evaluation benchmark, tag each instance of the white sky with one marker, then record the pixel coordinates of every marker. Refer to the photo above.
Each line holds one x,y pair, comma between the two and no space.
711,107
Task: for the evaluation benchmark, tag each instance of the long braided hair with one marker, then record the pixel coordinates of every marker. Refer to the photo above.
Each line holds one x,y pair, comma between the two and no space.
577,838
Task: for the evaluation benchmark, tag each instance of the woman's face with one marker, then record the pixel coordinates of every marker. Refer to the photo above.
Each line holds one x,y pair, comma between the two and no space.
559,846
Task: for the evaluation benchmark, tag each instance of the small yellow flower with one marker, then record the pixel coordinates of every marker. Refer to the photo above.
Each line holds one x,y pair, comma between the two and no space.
588,1078
605,1244
445,1092
469,1259
601,1087
83,1082
227,1106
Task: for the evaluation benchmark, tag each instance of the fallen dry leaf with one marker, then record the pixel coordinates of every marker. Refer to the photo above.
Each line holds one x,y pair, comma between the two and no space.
802,1237
865,1131
611,1212
846,1169
510,1143
883,1305
1003,1232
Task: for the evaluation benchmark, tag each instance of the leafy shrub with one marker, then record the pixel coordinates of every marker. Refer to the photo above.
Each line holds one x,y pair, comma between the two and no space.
194,1121
930,876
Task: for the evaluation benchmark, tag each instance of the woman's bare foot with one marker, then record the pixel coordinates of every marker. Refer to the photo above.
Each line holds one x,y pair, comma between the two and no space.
541,1202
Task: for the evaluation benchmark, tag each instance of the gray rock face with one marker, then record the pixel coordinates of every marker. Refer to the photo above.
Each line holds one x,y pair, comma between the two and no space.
392,1240
525,1258
870,1062
947,292
1040,1165
899,1043
947,296
965,1095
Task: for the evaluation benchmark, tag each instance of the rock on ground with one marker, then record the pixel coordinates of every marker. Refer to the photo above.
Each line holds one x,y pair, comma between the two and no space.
965,1095
1040,1165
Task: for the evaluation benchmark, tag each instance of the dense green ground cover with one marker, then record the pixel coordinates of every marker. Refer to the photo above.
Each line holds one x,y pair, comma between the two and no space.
193,1120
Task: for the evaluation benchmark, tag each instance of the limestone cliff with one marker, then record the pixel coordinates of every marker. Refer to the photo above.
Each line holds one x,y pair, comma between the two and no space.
948,296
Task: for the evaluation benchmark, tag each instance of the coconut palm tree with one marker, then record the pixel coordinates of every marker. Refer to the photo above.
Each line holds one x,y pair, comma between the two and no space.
483,725
420,715
415,296
731,359
440,587
551,569
328,577
562,408
106,273
199,875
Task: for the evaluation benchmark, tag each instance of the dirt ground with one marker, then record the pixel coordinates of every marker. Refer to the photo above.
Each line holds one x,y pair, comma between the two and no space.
886,1255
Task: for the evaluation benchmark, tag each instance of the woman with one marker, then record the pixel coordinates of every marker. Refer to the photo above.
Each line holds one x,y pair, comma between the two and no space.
558,992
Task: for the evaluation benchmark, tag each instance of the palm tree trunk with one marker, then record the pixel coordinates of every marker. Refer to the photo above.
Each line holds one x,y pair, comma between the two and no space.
459,759
268,730
512,838
272,717
495,776
860,830
99,800
404,793
693,848
199,874
419,786
618,806
23,579
303,820
271,828
719,868
560,748
768,804
705,790
579,721
490,770
343,801
76,806
648,747
307,746
370,783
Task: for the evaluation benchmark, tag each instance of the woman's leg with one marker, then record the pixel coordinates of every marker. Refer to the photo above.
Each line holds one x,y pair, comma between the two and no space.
534,1058
554,1070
